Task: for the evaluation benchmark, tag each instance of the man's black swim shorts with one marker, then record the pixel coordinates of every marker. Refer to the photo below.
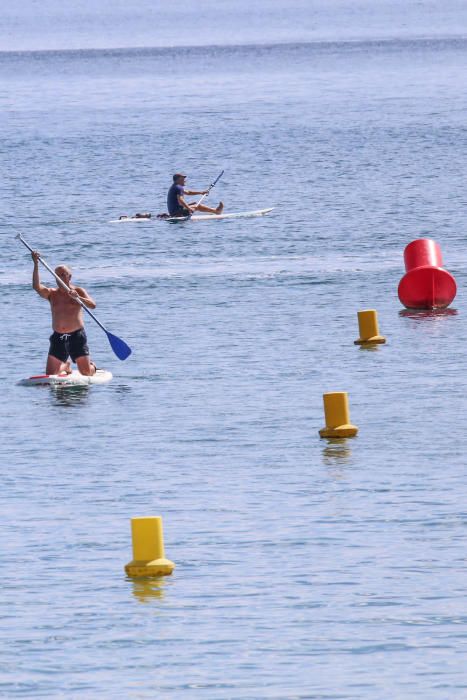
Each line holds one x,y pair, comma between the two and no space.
64,345
180,211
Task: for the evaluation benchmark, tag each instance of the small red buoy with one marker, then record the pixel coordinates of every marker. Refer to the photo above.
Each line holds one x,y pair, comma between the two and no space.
426,285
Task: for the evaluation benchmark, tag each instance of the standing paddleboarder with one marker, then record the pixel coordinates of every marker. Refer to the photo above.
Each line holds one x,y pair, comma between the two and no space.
69,337
178,206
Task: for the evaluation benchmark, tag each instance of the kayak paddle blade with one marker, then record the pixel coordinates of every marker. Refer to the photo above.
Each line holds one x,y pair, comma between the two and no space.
120,348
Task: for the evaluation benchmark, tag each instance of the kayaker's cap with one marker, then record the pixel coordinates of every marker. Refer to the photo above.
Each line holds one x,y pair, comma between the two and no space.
177,175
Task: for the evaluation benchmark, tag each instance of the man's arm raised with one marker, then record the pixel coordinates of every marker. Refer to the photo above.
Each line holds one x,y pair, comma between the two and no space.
43,291
190,193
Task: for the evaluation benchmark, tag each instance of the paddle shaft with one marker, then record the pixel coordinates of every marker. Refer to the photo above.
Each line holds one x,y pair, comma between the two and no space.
61,282
209,189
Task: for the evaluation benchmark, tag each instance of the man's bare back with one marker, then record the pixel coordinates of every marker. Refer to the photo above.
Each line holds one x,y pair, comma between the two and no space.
69,337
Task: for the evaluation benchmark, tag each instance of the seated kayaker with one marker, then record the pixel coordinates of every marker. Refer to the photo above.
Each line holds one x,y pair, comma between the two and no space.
178,206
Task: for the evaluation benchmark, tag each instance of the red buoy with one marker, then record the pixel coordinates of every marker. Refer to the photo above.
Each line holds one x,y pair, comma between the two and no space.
426,285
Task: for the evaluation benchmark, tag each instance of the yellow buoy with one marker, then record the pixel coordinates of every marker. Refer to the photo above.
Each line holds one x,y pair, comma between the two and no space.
337,417
368,328
148,548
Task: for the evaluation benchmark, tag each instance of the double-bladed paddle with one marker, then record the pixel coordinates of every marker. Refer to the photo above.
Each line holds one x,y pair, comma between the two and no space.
120,348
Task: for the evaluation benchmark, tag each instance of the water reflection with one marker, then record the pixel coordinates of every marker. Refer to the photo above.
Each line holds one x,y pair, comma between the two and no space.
122,389
430,314
146,589
371,348
337,452
70,395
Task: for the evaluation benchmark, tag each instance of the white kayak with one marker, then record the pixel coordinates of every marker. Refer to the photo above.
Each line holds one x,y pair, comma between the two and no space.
74,379
195,217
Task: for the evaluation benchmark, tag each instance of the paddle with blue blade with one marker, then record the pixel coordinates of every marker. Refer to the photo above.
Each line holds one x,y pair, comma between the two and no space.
120,348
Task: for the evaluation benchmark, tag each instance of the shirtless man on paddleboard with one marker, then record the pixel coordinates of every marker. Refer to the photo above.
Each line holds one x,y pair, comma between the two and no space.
178,206
69,337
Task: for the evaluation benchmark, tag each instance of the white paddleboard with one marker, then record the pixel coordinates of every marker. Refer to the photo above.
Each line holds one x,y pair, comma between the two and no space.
196,217
74,379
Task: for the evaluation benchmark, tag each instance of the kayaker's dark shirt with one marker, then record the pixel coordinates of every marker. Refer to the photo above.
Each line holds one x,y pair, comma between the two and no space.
172,198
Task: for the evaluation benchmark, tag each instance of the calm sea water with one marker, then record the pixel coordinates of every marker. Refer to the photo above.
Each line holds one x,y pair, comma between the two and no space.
305,568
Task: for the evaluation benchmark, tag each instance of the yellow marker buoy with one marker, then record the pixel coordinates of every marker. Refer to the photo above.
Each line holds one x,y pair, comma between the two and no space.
337,417
368,328
148,548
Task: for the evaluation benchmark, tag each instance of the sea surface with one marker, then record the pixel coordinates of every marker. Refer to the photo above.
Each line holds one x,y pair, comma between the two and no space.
305,568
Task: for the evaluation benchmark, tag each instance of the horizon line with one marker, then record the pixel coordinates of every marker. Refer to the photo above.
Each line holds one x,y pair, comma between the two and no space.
266,45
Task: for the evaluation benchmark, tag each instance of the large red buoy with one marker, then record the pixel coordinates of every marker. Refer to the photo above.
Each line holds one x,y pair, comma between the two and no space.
426,285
